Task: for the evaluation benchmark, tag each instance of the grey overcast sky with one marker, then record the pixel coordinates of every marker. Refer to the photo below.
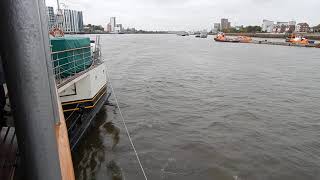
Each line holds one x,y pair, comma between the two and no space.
192,14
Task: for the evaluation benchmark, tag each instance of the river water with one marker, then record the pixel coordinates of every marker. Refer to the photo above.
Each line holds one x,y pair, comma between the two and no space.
198,109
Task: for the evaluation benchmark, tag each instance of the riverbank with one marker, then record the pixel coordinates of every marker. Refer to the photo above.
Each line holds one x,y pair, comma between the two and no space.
311,36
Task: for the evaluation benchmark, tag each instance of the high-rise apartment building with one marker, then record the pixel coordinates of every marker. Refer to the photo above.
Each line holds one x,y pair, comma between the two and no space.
80,22
51,17
113,24
108,27
72,21
216,27
225,24
267,26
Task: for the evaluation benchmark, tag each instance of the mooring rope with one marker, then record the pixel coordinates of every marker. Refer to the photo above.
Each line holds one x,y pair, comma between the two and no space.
125,125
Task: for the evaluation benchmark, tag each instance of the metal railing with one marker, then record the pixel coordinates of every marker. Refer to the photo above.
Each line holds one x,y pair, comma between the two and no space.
70,62
97,49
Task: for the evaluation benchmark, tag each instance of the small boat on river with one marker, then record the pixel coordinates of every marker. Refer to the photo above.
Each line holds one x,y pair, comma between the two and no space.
290,36
183,33
221,37
298,39
203,34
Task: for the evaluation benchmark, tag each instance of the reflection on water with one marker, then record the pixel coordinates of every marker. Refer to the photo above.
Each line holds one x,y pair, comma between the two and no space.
115,171
96,153
114,131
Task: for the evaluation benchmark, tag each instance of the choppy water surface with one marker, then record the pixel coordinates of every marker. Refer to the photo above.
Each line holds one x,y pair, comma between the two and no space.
197,109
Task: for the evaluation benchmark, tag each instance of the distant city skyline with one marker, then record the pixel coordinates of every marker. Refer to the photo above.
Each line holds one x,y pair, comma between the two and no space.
71,22
192,14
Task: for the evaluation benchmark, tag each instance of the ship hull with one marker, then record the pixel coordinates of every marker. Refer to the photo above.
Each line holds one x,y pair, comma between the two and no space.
230,41
82,98
79,122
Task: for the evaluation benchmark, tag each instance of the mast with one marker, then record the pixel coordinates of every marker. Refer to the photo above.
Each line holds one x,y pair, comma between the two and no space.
59,17
58,5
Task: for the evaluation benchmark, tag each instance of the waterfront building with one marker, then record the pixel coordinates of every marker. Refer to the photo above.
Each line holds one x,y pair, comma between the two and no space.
267,26
302,27
113,23
119,28
316,28
284,27
72,21
216,27
312,30
51,17
113,27
225,24
130,30
283,23
290,29
108,29
280,28
292,23
80,22
298,27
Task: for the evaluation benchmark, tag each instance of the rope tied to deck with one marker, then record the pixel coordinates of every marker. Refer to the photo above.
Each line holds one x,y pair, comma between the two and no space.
125,125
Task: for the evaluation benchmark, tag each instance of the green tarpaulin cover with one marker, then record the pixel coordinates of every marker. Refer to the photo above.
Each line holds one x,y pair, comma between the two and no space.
70,61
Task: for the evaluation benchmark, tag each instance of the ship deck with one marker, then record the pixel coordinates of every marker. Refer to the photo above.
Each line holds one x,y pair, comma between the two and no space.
66,82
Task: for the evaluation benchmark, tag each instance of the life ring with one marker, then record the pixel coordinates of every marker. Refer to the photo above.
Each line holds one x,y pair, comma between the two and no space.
56,32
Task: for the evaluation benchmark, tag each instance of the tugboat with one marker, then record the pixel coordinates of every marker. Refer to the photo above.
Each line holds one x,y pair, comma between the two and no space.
222,38
290,36
299,40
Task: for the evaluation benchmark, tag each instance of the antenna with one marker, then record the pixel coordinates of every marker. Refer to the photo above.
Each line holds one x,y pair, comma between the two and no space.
58,4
